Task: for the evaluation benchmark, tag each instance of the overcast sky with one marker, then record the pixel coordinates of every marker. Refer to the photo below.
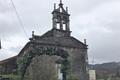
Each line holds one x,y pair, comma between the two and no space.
98,21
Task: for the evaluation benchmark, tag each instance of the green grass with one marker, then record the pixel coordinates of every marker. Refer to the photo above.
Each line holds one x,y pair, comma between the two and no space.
12,76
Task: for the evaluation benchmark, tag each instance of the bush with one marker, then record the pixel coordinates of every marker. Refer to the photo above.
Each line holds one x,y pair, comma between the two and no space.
73,77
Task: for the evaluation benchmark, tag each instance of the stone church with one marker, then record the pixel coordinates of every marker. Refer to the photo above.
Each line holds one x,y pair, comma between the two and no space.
43,56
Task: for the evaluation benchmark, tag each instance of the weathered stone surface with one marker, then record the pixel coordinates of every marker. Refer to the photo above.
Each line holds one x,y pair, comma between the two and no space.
42,68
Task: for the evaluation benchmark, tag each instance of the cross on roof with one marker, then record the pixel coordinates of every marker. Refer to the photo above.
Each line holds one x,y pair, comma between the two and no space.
60,1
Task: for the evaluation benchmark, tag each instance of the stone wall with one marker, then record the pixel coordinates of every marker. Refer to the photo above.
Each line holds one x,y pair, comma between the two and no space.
44,65
42,68
78,59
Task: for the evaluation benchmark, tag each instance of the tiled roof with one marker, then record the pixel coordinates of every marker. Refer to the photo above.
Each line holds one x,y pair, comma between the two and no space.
9,60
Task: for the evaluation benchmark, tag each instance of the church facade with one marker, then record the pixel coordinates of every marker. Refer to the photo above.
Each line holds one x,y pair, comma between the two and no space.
58,38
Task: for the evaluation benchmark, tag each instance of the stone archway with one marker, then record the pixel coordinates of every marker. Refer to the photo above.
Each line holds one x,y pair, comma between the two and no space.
26,59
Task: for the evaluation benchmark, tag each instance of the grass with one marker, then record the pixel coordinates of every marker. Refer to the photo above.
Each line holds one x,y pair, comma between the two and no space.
11,76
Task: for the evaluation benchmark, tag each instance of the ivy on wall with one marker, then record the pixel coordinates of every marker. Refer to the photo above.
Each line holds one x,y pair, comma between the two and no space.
26,59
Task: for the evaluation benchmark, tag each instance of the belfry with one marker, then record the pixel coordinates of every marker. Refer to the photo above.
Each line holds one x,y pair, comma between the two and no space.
61,18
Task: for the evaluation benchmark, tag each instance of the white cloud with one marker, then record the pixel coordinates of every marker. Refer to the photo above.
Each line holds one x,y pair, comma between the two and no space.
101,27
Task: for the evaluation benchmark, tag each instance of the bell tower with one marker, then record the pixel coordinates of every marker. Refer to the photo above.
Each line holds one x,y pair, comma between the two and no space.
61,18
